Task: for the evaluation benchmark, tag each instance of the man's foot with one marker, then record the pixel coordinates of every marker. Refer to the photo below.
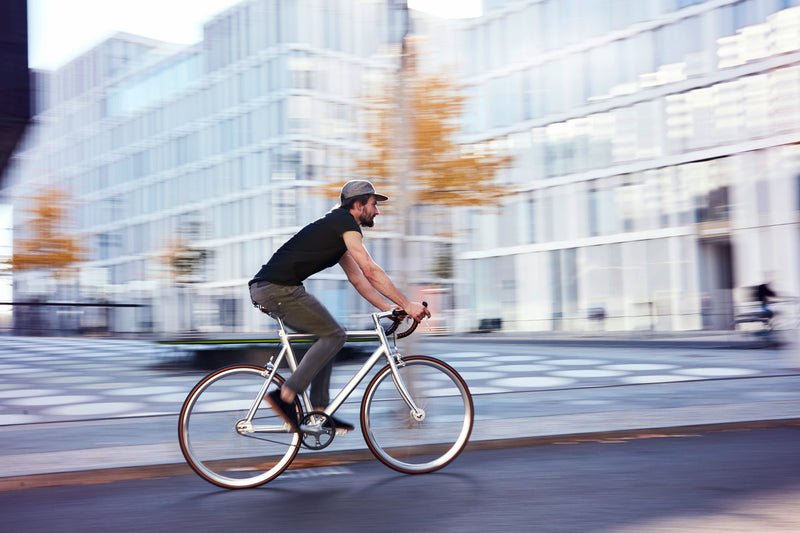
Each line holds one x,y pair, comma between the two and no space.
341,425
285,410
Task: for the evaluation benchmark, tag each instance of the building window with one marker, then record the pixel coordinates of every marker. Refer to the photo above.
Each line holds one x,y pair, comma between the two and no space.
284,202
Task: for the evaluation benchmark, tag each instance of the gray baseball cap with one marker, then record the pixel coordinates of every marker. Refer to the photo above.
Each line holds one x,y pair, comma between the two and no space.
355,188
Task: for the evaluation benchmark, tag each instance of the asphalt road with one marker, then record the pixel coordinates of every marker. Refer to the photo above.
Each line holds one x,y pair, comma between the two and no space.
735,481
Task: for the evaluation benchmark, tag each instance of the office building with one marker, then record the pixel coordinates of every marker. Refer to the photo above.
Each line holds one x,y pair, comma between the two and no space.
656,161
221,145
655,170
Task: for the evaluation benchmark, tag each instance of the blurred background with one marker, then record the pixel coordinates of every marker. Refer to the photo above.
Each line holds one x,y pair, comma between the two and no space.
554,165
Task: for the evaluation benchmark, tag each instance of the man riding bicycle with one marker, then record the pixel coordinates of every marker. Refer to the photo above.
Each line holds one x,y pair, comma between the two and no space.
278,289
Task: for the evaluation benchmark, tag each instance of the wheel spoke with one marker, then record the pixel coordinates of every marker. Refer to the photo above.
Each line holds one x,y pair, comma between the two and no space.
208,433
401,441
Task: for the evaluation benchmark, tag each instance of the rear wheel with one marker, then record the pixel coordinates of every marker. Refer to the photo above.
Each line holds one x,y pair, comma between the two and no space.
427,442
220,445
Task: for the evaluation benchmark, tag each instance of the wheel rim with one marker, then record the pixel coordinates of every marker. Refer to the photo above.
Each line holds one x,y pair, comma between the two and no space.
409,445
208,432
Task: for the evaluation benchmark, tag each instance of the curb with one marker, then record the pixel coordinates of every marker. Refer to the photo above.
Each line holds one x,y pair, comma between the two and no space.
335,458
656,342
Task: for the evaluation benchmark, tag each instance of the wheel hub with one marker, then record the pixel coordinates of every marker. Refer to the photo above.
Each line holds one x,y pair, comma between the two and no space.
243,427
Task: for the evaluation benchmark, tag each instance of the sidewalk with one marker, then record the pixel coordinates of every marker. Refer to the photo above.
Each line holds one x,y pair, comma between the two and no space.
103,449
645,338
738,340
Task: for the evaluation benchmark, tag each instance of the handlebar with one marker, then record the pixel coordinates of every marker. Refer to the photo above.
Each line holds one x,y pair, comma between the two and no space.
397,316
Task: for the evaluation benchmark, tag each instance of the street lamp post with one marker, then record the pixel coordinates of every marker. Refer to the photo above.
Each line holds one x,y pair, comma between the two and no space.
399,28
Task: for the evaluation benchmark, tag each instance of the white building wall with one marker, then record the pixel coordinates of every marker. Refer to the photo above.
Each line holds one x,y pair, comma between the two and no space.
629,124
675,180
533,293
231,134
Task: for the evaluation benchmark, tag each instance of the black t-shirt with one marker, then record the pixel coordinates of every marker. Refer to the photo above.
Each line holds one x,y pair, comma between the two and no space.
315,247
763,293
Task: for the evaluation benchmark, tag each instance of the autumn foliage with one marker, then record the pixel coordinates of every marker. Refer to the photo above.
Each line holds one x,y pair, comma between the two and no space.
184,262
425,109
46,243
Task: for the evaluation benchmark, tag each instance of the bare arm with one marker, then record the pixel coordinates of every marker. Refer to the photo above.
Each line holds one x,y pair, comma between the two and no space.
362,285
358,256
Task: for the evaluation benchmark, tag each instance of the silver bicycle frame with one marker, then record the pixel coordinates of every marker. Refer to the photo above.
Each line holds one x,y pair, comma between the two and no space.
384,350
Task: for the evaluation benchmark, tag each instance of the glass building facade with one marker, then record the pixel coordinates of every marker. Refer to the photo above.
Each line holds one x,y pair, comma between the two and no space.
655,149
221,143
656,160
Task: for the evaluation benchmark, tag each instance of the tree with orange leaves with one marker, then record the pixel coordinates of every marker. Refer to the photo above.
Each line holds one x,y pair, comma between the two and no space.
411,131
47,243
414,127
183,261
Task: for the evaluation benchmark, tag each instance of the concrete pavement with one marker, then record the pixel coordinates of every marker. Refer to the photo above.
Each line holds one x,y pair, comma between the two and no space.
83,410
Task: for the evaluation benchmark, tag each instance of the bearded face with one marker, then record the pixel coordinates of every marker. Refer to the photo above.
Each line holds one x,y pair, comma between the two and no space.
366,218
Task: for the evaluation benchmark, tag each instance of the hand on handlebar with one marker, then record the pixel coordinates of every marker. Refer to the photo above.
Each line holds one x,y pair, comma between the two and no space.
418,311
398,315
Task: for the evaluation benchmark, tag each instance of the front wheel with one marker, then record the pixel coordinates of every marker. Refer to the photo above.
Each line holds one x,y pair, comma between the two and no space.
217,440
432,439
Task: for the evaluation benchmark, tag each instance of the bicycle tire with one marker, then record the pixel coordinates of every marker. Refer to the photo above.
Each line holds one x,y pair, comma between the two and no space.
208,436
403,443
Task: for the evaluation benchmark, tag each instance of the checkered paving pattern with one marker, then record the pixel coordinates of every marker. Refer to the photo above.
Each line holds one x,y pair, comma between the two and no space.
496,373
57,379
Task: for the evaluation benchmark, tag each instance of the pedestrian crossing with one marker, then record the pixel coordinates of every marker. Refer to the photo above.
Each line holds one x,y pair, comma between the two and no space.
64,379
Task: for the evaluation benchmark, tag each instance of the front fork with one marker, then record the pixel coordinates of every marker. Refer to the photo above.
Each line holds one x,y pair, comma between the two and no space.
395,361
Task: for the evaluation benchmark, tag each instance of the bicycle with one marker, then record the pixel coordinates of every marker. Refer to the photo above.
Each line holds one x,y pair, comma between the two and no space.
231,437
785,318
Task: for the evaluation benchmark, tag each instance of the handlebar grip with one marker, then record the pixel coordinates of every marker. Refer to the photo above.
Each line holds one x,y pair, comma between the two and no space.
397,316
409,331
395,322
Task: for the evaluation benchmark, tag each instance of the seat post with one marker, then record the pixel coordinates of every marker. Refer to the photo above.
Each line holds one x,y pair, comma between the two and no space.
283,335
281,328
